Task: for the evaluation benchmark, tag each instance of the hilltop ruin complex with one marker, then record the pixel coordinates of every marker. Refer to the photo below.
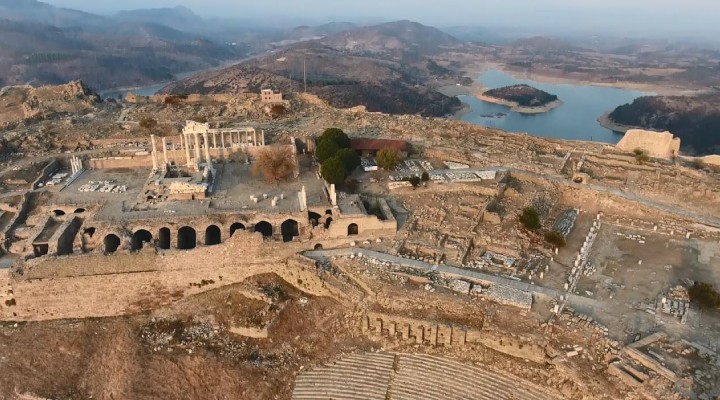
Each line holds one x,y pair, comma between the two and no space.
419,285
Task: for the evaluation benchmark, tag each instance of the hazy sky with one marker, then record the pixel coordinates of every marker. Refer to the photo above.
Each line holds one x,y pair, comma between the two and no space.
696,17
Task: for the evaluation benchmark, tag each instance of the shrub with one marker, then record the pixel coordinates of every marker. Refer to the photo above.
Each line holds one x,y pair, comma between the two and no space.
641,156
148,123
387,159
275,163
705,295
414,180
697,163
325,150
555,238
333,170
425,176
514,183
349,158
351,185
530,218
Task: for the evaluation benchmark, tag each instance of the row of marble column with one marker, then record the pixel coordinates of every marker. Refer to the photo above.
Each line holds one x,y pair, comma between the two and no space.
237,139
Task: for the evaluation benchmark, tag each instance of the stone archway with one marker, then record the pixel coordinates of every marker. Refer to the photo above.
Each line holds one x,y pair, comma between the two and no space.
111,242
164,238
58,213
139,238
289,229
328,222
187,238
318,246
314,218
353,230
79,210
235,227
213,235
90,231
265,228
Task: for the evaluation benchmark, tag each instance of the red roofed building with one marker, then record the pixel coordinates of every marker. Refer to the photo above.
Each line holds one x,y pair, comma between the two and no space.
368,147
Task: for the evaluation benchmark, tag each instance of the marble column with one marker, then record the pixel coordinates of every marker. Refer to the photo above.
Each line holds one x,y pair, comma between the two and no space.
207,148
187,148
154,153
164,144
262,138
197,149
254,138
214,140
222,139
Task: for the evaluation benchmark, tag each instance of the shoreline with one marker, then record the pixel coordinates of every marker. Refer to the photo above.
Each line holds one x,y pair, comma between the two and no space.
605,121
473,69
515,107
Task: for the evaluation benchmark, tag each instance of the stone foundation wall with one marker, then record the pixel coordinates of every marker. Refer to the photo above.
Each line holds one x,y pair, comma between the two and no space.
96,285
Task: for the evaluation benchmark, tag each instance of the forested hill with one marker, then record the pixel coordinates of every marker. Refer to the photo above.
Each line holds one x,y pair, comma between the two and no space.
523,95
696,120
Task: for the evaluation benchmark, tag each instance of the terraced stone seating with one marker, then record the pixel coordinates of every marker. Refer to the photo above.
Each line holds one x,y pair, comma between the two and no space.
358,376
428,377
410,377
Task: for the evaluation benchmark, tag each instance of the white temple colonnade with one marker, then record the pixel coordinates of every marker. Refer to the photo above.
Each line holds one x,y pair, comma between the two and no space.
191,143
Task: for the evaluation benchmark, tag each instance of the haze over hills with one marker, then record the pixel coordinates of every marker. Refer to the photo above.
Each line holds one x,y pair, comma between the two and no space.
385,68
44,44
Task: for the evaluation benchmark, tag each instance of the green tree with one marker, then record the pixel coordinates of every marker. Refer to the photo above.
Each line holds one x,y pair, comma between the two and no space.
530,218
326,149
349,158
333,170
336,136
425,176
705,295
387,159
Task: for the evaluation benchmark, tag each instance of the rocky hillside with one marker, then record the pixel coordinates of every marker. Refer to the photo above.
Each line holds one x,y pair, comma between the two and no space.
398,40
523,95
696,120
24,103
342,77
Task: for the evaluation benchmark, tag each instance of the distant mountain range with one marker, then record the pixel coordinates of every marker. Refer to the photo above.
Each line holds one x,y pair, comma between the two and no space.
43,44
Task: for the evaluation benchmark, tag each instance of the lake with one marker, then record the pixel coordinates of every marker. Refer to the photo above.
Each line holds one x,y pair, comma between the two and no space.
143,91
576,119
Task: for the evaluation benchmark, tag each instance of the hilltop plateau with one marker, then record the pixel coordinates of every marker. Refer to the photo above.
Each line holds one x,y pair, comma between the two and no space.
259,297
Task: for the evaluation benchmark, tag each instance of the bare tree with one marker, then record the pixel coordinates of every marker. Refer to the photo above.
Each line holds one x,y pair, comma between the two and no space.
275,163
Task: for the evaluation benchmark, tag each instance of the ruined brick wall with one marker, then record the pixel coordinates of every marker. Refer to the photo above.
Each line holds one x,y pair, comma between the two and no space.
656,144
